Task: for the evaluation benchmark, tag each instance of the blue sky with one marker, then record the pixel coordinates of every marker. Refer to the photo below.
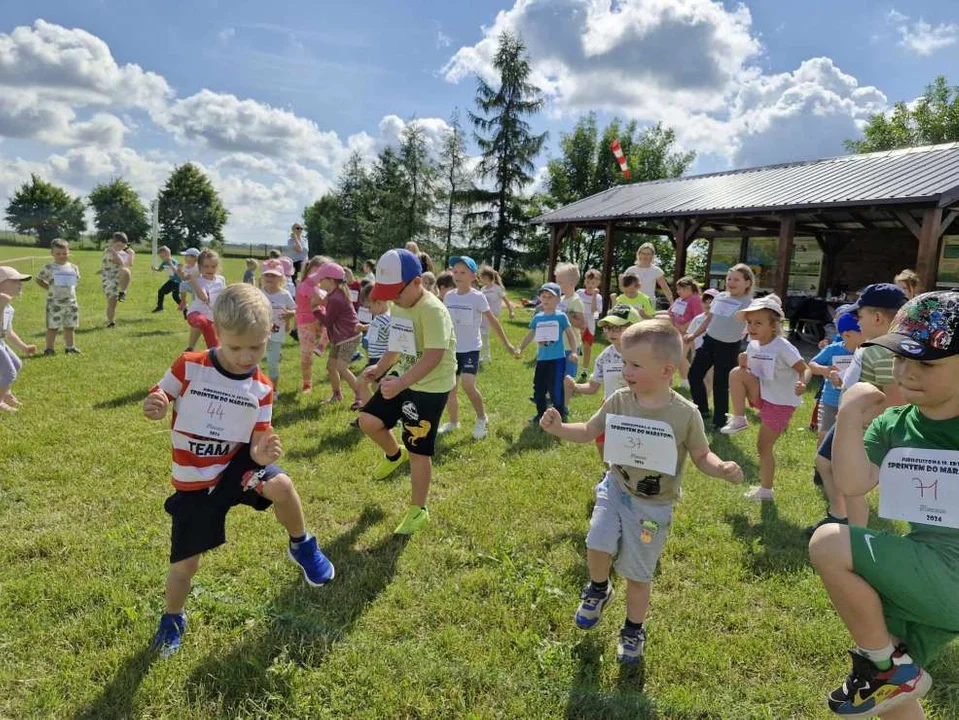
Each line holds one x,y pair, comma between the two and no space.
270,98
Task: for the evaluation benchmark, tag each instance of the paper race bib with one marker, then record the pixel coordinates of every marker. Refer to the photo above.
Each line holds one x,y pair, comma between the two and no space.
217,411
464,317
65,278
762,365
842,363
547,332
642,443
724,307
354,295
364,315
7,318
920,486
402,339
679,308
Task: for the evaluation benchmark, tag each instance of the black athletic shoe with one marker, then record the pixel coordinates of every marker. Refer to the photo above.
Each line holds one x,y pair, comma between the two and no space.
72,351
158,309
122,296
808,532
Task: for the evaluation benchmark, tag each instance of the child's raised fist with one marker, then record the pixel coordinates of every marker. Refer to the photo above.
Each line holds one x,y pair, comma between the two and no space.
551,420
155,405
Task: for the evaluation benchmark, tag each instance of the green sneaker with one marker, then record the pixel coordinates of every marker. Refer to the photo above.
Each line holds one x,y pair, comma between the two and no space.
386,467
415,519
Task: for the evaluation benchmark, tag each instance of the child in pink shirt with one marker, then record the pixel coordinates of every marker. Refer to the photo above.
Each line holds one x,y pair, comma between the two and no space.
343,329
687,305
308,297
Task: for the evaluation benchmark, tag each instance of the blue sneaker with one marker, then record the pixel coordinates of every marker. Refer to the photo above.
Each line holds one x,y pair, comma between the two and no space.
632,642
317,569
869,691
167,639
591,606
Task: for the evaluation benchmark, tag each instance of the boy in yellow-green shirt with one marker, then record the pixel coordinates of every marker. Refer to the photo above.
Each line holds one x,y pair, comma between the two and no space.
631,296
422,356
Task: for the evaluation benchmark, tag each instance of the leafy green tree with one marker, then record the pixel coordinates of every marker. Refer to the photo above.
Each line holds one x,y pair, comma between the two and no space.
116,206
420,174
190,209
455,188
46,211
354,196
933,119
319,219
508,149
389,207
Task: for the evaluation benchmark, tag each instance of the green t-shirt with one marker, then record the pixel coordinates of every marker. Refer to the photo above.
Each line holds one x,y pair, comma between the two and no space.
640,302
571,304
877,366
432,330
906,426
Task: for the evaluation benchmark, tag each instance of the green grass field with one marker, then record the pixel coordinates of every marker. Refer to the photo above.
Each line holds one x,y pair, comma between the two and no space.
471,618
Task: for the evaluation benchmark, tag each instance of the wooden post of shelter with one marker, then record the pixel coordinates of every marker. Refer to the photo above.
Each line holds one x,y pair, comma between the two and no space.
927,259
787,230
608,264
679,243
554,240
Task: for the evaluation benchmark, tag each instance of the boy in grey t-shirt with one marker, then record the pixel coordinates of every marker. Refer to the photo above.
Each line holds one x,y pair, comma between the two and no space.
634,501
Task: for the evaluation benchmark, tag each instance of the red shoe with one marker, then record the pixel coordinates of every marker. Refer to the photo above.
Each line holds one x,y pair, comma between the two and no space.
306,389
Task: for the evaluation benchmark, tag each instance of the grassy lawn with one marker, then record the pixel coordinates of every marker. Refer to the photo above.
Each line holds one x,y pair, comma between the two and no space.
471,618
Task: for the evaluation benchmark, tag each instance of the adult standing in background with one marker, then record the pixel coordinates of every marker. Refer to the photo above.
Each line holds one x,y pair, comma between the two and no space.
649,275
296,250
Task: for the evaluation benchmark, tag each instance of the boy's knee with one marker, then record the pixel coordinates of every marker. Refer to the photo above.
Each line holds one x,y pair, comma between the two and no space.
370,423
826,547
186,568
278,487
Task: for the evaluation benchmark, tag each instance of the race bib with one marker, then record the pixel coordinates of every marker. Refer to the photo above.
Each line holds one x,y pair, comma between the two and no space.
217,411
64,278
920,486
402,339
364,315
7,318
642,443
464,317
762,365
547,332
842,363
724,307
354,295
679,308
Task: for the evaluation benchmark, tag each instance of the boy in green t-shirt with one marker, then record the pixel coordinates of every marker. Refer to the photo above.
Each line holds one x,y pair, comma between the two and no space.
897,594
633,297
423,343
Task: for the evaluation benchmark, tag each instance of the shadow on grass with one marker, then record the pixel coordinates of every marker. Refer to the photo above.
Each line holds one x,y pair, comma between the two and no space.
296,413
129,399
589,701
944,696
155,333
302,626
116,699
782,544
344,439
531,439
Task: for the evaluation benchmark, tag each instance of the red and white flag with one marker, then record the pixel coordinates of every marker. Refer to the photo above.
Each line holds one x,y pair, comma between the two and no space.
621,159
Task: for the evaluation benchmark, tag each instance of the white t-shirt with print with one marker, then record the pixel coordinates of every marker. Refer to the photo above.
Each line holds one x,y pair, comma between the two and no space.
213,289
467,312
591,317
647,279
608,370
773,364
279,301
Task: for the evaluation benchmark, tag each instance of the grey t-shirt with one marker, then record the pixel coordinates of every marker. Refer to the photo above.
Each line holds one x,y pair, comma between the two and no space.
724,328
291,251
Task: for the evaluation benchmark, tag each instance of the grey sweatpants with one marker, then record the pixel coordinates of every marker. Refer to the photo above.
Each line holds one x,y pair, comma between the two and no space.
9,365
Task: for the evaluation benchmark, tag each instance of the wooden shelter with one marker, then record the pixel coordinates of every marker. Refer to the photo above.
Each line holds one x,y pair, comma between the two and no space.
864,216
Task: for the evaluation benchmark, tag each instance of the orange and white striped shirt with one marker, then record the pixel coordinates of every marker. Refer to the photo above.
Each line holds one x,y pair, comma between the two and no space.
237,406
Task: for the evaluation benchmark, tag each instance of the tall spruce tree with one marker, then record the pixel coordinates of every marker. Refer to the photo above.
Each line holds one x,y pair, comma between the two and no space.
508,149
455,185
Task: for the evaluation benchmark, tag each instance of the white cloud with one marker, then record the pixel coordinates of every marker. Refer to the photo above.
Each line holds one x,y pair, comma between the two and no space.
225,35
921,37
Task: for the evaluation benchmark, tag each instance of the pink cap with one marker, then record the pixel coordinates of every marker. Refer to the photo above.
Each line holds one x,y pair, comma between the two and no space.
330,270
288,268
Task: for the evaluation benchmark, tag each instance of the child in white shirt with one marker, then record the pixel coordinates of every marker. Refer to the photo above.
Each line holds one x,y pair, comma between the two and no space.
207,287
284,307
593,305
492,287
770,375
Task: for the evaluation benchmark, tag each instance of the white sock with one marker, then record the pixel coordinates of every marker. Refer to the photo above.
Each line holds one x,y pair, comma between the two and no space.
878,657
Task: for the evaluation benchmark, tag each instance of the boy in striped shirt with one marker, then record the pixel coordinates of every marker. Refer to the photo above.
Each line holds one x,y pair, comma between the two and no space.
224,448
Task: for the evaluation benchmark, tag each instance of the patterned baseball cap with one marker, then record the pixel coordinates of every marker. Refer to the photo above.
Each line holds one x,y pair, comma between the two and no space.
925,328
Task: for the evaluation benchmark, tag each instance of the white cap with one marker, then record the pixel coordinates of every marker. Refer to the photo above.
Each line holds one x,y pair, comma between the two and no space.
769,302
191,252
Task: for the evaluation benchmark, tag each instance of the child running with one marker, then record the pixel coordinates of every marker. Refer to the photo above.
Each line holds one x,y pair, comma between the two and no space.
567,277
423,343
284,308
308,298
342,328
377,337
115,273
770,375
207,287
634,502
549,329
897,594
722,343
687,305
690,348
469,308
491,285
186,272
172,284
593,306
224,458
11,286
608,370
60,279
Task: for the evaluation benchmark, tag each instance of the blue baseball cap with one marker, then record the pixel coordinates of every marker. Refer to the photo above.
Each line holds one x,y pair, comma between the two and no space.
551,288
466,260
847,322
880,295
394,271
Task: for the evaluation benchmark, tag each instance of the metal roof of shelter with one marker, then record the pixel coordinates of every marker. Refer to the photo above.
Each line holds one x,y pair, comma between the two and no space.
922,175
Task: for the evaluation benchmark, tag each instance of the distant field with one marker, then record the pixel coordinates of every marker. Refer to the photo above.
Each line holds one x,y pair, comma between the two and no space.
471,618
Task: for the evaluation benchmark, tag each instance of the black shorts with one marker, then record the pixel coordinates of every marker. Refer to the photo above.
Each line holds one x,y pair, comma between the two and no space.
419,412
467,363
199,516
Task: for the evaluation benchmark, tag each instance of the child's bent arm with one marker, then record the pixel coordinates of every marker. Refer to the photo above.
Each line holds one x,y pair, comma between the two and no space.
853,472
43,283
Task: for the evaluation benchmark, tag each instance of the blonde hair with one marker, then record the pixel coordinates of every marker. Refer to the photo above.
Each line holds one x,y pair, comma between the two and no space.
660,335
60,244
348,276
687,281
568,269
243,309
429,281
908,278
487,272
251,262
314,263
207,255
747,273
413,247
645,246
